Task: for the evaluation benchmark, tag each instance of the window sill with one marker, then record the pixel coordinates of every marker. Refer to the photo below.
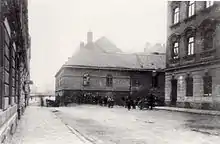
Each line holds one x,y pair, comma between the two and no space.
190,18
174,60
189,57
207,95
208,53
175,25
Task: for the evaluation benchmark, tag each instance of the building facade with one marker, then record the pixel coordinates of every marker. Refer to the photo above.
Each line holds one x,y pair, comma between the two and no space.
100,69
14,64
193,54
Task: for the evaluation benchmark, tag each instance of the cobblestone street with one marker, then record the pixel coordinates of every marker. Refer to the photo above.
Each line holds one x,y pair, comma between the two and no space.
108,126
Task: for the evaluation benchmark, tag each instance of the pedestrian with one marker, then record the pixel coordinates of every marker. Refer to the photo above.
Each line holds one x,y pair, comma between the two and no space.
109,102
129,103
151,100
105,101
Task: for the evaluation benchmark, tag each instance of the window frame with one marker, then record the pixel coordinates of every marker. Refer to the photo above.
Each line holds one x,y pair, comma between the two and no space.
208,39
86,79
190,46
176,15
174,54
109,80
191,8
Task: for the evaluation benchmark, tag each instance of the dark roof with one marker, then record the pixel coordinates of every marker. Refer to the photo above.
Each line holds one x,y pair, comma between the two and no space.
104,54
102,45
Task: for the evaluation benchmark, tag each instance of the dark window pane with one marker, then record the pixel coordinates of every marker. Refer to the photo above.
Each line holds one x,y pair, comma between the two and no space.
189,86
207,85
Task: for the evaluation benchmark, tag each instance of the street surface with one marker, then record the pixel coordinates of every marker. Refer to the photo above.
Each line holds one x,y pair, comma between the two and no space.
101,125
40,126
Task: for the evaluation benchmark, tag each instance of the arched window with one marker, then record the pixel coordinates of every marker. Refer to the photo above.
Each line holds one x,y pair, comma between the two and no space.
109,80
207,29
190,40
86,79
174,45
208,39
175,50
176,15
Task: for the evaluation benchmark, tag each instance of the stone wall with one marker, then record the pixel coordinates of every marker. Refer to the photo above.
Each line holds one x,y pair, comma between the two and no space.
8,123
198,100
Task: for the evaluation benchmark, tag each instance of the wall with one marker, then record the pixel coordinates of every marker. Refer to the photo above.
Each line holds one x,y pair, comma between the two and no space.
72,79
194,22
198,98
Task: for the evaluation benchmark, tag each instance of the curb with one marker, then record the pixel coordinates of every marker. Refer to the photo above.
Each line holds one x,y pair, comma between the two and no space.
79,135
214,113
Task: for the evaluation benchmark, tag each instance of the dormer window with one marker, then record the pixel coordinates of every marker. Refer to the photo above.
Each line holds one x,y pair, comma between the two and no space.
176,15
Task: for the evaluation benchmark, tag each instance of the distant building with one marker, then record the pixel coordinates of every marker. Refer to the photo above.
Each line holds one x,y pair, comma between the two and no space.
193,55
158,48
100,68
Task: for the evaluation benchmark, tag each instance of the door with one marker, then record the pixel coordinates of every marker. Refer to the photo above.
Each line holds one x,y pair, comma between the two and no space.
173,92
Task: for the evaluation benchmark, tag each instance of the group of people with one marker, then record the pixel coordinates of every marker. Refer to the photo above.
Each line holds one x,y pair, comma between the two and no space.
106,101
144,102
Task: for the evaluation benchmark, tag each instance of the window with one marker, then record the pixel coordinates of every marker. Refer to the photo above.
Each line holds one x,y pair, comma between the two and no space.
190,46
86,79
176,14
191,8
208,39
207,85
209,3
109,80
175,50
189,86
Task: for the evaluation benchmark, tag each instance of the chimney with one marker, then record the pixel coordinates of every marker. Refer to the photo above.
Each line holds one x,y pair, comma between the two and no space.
89,37
81,44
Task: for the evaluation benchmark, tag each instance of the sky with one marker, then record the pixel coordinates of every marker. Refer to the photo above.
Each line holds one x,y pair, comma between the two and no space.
58,26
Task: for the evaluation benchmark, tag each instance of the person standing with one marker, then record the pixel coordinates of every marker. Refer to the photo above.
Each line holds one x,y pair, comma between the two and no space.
129,103
151,100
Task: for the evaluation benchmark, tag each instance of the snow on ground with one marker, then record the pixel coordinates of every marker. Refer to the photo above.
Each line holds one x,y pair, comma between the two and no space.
101,125
41,126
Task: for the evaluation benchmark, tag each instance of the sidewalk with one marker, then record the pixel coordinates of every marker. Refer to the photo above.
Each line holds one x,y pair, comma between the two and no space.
41,126
194,111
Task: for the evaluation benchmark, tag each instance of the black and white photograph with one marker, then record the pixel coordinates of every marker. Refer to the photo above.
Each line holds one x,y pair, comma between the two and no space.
109,72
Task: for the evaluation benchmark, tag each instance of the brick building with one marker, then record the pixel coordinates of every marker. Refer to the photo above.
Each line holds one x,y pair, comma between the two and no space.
100,68
14,64
193,54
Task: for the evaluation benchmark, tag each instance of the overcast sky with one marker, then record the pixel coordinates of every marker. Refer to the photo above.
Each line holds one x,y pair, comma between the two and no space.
58,26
